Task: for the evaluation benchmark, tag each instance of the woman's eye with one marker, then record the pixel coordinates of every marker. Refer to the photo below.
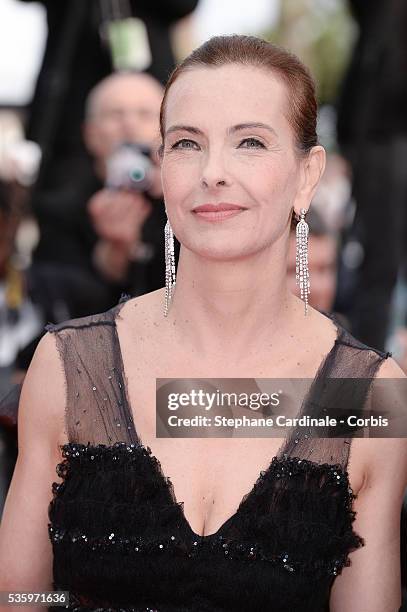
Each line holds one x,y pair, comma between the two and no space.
184,143
252,143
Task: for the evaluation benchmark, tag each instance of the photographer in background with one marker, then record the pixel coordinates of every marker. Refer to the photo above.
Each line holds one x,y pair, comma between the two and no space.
128,215
98,240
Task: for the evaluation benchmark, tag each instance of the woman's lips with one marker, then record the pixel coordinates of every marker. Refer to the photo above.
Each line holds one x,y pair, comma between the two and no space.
218,215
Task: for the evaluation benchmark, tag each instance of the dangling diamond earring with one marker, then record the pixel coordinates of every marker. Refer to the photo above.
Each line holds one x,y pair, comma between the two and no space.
301,258
169,266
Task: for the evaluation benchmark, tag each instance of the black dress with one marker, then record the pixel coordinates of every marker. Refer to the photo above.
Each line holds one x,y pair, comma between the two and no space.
120,538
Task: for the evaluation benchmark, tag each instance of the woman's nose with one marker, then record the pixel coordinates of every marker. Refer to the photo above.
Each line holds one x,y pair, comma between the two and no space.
216,182
214,173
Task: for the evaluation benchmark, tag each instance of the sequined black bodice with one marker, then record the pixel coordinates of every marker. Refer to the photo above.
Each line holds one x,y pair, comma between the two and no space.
120,538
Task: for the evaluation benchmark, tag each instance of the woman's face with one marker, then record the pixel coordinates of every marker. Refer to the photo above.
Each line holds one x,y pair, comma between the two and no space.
227,140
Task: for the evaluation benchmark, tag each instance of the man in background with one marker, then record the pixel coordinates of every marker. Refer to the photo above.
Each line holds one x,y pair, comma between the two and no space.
124,109
96,242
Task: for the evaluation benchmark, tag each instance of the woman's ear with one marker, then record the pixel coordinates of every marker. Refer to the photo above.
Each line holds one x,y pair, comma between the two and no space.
312,169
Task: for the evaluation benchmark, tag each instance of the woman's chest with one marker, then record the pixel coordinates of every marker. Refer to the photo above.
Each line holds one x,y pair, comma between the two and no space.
216,461
116,504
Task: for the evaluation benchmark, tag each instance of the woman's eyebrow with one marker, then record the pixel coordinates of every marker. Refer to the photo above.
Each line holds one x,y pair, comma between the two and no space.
184,128
231,130
256,124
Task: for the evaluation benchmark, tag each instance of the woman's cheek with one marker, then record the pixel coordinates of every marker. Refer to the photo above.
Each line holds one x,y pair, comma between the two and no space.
175,187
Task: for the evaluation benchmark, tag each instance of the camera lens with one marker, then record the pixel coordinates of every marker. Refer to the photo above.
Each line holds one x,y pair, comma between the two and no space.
137,175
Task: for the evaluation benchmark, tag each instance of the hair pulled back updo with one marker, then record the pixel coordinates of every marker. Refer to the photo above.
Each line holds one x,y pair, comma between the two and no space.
252,51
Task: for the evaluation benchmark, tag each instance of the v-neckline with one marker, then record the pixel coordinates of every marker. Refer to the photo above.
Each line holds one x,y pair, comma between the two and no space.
119,362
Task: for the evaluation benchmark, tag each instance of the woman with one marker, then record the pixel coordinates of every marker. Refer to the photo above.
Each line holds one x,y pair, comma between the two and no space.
238,127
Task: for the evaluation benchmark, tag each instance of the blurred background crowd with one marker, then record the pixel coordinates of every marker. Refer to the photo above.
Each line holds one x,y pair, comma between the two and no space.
81,210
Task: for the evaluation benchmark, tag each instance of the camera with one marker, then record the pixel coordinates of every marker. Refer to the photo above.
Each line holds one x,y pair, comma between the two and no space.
130,167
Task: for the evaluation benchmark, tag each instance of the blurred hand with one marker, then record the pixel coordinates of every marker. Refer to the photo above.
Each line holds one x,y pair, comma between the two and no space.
118,216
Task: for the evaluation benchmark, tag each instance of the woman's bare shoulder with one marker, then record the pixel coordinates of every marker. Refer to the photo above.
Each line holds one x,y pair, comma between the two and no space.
385,458
317,332
144,310
389,368
320,324
42,399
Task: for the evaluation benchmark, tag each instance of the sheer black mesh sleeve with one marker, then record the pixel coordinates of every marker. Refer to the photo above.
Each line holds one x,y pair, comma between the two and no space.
97,409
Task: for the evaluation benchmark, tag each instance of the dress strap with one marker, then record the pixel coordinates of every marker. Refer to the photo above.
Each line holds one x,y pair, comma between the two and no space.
341,388
96,410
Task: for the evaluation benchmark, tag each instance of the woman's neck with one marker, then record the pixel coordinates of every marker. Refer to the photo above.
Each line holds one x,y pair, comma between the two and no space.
237,304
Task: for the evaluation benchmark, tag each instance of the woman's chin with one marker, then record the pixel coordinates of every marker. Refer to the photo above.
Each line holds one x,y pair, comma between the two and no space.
219,253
